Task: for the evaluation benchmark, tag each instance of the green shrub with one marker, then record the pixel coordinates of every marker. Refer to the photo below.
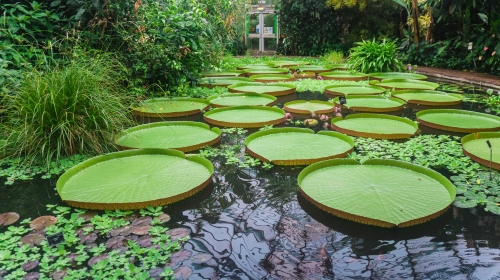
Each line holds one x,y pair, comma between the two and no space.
333,57
370,57
75,109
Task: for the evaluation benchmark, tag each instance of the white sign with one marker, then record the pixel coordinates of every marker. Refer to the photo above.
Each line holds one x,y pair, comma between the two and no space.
469,47
268,30
257,29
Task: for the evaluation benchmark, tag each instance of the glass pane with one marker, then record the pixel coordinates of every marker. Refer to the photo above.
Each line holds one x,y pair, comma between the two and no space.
254,24
253,44
269,25
269,44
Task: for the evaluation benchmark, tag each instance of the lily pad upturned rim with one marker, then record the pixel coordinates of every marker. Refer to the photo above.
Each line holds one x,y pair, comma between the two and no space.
260,71
223,73
476,158
329,91
288,88
139,204
172,114
277,78
276,121
459,97
387,75
344,76
375,135
308,161
307,112
458,129
222,81
388,162
286,63
213,99
316,69
340,66
244,67
173,123
425,84
305,75
371,109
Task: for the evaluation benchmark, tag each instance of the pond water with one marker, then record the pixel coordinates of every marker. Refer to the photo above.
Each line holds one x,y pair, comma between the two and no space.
257,227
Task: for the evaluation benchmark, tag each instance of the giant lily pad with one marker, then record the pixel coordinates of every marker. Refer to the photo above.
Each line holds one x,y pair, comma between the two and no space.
286,64
458,120
305,75
309,106
224,73
297,146
274,90
385,193
428,97
253,66
272,78
212,82
242,99
371,103
260,71
396,75
245,116
345,90
182,136
344,76
474,146
171,107
134,179
401,84
375,126
338,66
311,68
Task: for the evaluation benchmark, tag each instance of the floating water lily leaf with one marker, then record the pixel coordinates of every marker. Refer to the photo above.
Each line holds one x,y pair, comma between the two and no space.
245,116
428,97
30,265
297,146
338,66
8,218
345,90
344,76
87,238
182,136
311,68
305,75
123,231
163,218
242,99
463,202
144,241
97,259
183,272
254,66
475,146
386,193
259,71
171,107
134,179
88,215
43,222
309,106
371,103
211,82
285,63
32,239
401,84
224,73
115,242
60,274
142,221
375,126
458,120
32,276
272,78
178,257
397,75
201,258
177,233
274,89
143,230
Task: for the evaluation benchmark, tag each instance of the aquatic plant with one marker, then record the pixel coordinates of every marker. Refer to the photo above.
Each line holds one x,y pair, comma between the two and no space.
482,189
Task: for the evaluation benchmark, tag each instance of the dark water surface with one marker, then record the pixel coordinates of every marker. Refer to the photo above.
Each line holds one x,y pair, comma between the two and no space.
256,226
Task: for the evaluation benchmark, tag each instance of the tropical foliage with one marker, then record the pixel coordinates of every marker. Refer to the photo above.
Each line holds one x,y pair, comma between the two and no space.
372,57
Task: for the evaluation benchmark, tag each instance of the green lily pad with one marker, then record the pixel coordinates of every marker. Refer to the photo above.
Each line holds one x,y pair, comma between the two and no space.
371,103
311,68
386,193
375,126
223,73
309,106
242,99
272,78
463,202
134,179
475,146
305,75
401,84
397,75
261,71
285,63
338,66
253,66
345,90
212,82
344,76
274,89
458,120
171,107
297,146
245,116
182,136
428,97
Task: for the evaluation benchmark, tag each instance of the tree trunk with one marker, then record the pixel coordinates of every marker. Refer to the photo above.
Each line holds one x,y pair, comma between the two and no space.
430,31
416,33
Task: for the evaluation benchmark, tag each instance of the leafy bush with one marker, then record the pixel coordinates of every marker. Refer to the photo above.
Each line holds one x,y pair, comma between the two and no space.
75,109
333,57
370,57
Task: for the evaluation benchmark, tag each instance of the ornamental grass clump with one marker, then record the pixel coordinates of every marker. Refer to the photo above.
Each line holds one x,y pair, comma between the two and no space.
73,109
371,57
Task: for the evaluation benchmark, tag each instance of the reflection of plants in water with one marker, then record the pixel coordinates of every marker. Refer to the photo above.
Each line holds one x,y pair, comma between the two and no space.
438,152
478,190
279,188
